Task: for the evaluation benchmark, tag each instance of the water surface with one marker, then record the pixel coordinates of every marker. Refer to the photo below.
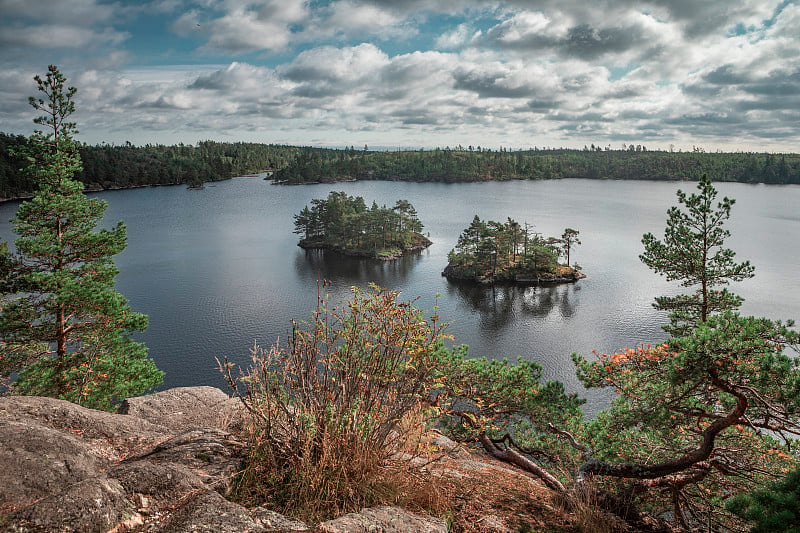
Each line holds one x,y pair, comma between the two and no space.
219,269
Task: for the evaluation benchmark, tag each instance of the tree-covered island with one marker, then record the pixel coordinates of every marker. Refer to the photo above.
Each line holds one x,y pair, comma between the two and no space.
346,225
510,252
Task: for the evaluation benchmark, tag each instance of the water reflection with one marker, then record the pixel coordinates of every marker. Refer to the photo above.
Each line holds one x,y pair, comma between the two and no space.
498,304
323,264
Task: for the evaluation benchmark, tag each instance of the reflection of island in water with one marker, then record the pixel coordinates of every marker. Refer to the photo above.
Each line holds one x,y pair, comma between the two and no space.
499,304
332,266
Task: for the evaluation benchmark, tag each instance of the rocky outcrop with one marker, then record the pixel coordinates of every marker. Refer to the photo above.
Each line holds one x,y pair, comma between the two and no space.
167,464
186,408
67,468
163,465
566,275
384,519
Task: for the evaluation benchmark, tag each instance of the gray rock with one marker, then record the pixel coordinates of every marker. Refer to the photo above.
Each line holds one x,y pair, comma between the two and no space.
209,453
68,468
109,435
186,408
39,461
209,512
156,486
451,447
95,504
276,522
383,519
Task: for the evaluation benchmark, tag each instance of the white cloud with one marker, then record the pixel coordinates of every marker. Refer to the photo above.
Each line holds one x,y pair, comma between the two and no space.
460,36
352,71
43,24
245,26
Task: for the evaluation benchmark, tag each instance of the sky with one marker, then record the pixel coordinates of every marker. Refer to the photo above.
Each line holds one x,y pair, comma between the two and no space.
711,74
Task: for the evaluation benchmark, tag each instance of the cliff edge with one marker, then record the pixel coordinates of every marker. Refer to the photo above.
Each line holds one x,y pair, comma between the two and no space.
166,462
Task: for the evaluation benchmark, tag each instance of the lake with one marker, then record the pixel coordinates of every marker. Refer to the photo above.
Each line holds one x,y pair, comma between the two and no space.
219,269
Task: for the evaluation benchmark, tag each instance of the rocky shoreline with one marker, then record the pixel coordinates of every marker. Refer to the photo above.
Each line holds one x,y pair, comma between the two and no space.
423,243
455,274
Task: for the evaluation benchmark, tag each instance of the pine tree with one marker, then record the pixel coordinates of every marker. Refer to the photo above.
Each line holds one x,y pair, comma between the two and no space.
692,252
62,312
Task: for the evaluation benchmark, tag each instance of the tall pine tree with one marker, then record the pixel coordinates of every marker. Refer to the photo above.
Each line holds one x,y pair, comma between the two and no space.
65,330
692,252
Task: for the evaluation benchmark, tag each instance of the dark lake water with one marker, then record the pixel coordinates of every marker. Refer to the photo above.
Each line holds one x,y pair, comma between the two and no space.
218,269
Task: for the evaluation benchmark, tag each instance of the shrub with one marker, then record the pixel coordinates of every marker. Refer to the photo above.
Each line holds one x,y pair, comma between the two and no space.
328,409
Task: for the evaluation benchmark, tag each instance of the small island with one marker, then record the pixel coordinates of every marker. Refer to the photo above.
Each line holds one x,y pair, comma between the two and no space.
508,252
344,224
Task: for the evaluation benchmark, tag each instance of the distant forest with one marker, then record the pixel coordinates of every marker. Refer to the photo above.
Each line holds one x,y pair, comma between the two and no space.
121,167
118,167
476,164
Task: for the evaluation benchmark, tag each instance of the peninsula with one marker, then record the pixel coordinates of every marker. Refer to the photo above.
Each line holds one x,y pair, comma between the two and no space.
346,225
509,252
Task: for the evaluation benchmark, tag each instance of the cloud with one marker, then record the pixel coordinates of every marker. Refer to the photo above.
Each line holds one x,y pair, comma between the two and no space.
416,72
72,13
458,37
330,71
42,24
244,26
348,17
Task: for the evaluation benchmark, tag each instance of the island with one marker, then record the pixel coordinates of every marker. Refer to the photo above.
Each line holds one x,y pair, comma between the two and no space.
344,224
510,252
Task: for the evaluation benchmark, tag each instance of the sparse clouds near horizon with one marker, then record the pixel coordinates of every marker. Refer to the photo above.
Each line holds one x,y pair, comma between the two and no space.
719,74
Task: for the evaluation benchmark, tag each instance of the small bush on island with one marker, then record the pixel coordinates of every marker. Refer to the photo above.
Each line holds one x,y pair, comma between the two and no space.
344,224
491,251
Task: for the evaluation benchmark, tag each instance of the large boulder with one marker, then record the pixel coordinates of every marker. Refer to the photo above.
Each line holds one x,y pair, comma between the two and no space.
186,408
383,519
67,468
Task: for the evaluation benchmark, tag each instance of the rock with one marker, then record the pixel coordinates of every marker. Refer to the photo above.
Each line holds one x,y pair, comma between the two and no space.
38,461
276,522
95,504
156,487
209,453
449,446
383,520
186,408
209,512
68,468
109,436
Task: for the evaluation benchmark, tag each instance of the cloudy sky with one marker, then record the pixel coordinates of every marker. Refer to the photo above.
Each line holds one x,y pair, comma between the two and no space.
718,74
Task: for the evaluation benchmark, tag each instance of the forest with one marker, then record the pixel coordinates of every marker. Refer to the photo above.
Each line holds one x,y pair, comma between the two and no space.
344,224
120,167
117,167
509,251
480,164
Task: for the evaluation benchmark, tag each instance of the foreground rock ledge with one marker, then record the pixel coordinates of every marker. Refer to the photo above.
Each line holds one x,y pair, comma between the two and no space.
163,465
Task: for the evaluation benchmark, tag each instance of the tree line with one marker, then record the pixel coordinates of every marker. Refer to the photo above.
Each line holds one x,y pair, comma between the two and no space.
119,167
464,165
113,167
345,223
